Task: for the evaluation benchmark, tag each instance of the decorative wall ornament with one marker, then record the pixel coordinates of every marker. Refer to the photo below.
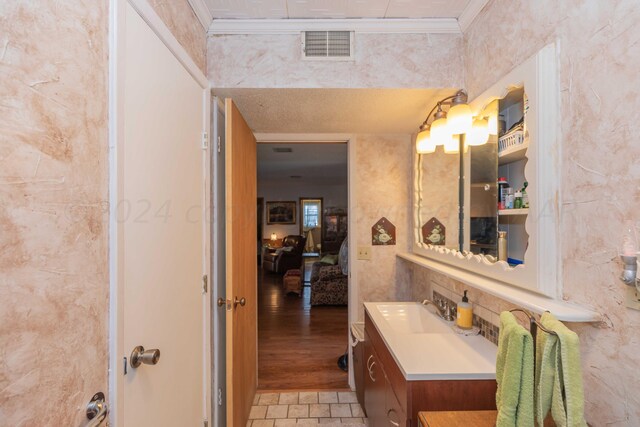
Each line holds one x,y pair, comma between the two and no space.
434,232
383,233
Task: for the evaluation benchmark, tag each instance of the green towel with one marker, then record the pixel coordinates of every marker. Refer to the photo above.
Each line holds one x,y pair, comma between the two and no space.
559,375
514,374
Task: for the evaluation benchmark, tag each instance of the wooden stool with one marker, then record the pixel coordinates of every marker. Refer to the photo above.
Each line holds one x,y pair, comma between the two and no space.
292,282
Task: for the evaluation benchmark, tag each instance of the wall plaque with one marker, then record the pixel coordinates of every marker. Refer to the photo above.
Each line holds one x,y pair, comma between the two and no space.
383,233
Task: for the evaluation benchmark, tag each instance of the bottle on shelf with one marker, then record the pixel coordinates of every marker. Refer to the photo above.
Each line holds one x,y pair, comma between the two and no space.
502,245
510,199
502,194
517,202
525,196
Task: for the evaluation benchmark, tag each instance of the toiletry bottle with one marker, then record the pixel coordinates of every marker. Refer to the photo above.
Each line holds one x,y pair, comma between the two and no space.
525,196
465,313
510,198
502,191
502,245
517,203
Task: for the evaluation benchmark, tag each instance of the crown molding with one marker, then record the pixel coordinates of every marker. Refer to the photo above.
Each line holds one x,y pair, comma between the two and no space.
202,12
296,26
470,13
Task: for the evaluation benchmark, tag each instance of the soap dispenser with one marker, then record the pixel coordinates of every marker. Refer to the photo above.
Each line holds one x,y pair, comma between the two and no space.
465,313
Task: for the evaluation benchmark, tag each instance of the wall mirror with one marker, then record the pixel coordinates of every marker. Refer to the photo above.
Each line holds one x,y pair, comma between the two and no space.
438,199
496,204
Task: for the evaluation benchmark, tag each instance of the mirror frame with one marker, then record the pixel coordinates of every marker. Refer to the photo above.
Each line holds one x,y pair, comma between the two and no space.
540,272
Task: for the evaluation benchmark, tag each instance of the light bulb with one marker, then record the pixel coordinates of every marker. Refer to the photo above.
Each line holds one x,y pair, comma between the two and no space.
479,133
452,146
440,132
459,119
424,144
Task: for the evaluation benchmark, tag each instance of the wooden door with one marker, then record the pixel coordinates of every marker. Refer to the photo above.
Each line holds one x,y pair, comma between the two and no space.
242,272
163,244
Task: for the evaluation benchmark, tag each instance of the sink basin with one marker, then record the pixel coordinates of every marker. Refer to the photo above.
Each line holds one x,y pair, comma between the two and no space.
413,318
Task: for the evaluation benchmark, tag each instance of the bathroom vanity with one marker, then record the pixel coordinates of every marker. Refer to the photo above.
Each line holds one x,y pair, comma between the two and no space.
413,361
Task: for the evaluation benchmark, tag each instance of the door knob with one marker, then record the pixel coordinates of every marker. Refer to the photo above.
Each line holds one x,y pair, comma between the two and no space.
148,357
242,302
221,302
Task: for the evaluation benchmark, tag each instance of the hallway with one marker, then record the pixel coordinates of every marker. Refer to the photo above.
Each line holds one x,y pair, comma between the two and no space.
298,346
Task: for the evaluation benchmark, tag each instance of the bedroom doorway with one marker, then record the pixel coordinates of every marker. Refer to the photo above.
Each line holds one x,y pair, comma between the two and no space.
311,224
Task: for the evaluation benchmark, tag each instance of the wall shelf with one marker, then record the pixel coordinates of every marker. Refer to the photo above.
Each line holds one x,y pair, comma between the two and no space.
513,154
536,303
507,212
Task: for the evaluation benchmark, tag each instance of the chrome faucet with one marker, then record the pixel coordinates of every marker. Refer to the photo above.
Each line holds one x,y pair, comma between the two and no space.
444,311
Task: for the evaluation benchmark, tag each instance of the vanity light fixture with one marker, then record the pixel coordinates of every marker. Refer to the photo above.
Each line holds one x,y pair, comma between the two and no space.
452,146
439,131
479,133
424,143
447,126
459,117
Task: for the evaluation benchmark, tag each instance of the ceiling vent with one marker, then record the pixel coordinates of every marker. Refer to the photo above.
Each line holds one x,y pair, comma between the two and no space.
282,150
327,45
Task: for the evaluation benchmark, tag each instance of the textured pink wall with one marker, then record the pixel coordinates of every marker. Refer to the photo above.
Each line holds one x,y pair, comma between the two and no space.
382,189
380,61
185,26
53,186
53,190
600,116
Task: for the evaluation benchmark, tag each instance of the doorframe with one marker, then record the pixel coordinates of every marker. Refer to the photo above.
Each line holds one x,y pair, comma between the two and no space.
351,141
117,26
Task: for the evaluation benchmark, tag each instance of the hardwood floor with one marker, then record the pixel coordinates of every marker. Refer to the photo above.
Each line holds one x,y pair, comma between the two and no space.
298,345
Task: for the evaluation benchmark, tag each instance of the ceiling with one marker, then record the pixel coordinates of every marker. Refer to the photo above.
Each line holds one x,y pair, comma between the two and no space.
334,110
312,163
336,9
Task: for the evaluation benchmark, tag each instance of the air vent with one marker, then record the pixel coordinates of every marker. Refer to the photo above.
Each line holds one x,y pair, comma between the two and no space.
327,44
282,150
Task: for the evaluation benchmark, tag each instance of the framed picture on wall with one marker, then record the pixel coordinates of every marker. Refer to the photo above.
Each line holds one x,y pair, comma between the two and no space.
281,212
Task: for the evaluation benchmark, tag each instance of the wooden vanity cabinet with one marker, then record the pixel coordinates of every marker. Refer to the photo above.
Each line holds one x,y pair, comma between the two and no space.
391,400
359,371
380,403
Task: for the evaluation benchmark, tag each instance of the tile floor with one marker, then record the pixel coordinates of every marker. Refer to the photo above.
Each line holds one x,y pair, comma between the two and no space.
327,408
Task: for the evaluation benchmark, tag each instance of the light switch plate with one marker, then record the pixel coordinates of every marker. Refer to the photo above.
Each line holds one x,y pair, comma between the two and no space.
364,252
633,298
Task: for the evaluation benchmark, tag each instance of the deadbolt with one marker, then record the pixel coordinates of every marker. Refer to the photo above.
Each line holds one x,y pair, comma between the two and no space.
242,302
148,357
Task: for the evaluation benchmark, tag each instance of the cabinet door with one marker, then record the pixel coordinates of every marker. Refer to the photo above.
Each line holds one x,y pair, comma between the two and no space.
394,415
375,385
359,372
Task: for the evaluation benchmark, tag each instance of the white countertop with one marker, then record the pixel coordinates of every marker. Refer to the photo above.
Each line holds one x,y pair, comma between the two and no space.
442,355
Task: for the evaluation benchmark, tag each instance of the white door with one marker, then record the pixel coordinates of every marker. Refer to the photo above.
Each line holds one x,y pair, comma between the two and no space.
161,214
